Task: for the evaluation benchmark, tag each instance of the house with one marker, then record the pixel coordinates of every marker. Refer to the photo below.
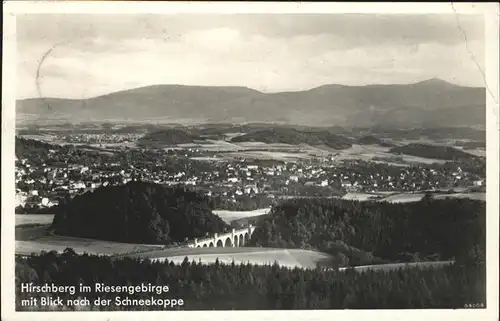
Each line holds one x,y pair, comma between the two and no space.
20,199
78,185
478,183
45,202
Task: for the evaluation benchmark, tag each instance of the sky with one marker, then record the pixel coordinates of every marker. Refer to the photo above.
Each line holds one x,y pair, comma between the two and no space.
86,55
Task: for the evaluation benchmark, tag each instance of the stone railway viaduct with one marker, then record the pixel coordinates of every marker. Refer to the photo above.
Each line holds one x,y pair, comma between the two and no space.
235,238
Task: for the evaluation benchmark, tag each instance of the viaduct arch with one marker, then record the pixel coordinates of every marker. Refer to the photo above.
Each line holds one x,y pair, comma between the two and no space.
235,238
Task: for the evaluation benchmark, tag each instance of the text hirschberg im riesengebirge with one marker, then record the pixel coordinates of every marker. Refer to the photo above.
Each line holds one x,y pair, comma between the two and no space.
57,296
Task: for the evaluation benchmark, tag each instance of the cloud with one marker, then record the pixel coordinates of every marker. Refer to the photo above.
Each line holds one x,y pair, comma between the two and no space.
264,52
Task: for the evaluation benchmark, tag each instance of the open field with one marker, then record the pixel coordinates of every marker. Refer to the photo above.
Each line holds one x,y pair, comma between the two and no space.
220,146
360,196
258,150
261,256
48,138
60,243
232,135
286,152
211,145
229,216
368,152
35,239
207,159
396,266
390,197
31,232
404,198
389,161
476,152
264,154
264,146
23,219
115,145
474,196
394,197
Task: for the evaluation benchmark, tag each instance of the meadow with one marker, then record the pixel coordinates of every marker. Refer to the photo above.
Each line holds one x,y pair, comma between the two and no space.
404,198
475,196
369,152
23,219
79,245
255,255
395,197
229,216
396,266
34,239
353,196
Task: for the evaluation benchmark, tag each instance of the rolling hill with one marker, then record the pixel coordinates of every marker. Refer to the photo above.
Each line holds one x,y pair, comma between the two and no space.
431,103
372,140
433,151
295,137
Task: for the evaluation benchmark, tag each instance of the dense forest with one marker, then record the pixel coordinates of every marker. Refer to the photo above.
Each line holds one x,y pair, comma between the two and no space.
25,148
476,166
294,137
249,287
373,140
137,212
433,151
359,233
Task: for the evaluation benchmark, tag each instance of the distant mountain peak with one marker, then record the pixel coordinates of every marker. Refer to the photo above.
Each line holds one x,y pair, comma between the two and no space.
435,82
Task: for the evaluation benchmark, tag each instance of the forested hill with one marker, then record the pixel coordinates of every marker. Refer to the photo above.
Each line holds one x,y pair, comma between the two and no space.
358,232
25,147
372,140
433,151
137,212
294,137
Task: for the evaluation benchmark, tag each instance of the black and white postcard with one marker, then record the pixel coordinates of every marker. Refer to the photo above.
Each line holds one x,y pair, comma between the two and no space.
217,160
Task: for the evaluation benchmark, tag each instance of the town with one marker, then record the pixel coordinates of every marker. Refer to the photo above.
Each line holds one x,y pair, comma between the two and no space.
44,178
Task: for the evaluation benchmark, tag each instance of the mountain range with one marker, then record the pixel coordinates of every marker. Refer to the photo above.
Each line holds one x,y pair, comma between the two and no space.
430,103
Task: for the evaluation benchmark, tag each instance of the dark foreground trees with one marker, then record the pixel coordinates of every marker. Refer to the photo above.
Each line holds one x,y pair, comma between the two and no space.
137,212
232,286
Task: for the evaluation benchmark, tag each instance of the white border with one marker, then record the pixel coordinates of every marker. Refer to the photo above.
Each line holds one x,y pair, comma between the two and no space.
489,10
